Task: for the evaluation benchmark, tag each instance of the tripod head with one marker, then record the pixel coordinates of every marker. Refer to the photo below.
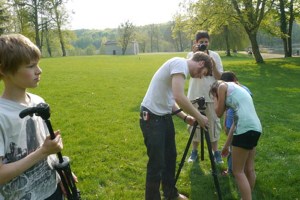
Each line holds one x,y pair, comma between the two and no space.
201,103
42,110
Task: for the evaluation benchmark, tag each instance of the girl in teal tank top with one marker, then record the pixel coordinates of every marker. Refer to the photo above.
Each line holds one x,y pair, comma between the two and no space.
245,135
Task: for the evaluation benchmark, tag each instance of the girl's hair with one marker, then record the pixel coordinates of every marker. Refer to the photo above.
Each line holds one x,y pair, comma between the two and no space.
214,88
208,61
16,50
228,76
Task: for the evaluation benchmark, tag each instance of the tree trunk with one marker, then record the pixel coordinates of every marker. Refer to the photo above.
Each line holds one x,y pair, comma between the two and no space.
47,40
180,42
290,29
283,27
226,33
61,39
255,47
62,44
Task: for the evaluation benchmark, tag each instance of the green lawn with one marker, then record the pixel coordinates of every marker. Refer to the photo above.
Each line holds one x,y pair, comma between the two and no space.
95,103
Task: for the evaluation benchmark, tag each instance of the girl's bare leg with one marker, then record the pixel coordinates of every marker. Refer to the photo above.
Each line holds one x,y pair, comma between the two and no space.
239,159
249,168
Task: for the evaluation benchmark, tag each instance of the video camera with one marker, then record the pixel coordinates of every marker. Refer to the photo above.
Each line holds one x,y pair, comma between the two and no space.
201,103
201,47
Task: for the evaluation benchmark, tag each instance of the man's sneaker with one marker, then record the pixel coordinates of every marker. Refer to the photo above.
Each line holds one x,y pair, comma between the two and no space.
218,157
194,156
181,197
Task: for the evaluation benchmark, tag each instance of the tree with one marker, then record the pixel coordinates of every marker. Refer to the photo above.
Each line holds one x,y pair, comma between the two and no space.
287,11
126,35
35,6
177,31
20,18
59,16
152,32
286,24
250,13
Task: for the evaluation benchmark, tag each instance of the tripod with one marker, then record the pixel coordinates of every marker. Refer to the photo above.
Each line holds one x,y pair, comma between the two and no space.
62,167
201,107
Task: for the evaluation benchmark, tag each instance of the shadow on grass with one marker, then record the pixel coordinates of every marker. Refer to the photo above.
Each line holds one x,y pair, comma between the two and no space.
203,186
261,194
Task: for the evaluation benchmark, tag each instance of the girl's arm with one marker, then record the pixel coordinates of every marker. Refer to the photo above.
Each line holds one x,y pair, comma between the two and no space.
225,149
219,99
224,122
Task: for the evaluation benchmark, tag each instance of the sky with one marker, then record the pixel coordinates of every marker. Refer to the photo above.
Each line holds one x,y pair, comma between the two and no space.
101,14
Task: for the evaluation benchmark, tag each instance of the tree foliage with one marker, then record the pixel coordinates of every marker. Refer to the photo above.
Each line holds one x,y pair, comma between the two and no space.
4,17
280,22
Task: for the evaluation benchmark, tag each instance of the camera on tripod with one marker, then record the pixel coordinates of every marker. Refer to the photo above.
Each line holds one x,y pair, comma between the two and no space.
202,47
201,103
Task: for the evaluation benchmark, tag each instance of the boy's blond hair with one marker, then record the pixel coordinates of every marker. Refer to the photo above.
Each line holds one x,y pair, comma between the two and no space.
16,50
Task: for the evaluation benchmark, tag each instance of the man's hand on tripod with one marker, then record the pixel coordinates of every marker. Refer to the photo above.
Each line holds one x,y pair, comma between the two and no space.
190,120
203,122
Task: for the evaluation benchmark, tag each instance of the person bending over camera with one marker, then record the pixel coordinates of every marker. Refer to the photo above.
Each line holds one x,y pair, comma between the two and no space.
165,95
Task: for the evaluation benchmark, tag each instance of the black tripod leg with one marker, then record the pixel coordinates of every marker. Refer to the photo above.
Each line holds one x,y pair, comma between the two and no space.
184,157
186,151
213,165
202,144
64,170
71,182
65,184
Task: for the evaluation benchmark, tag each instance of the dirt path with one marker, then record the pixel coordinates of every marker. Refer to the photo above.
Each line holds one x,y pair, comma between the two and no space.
271,55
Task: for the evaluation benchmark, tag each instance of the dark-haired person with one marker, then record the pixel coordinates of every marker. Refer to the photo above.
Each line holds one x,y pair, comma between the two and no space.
200,88
165,95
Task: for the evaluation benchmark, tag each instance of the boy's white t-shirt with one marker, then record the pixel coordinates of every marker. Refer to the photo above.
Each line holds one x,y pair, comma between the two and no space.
200,87
159,98
18,138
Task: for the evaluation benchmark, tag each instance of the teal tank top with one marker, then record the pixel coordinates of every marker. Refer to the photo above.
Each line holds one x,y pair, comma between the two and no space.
245,117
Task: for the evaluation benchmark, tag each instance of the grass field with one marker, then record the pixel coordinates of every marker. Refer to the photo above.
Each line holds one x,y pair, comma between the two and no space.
95,103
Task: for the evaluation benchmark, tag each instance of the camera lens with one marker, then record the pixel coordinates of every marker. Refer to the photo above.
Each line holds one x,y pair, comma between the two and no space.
201,47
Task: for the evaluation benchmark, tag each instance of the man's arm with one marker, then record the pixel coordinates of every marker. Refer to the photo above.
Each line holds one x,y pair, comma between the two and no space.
178,83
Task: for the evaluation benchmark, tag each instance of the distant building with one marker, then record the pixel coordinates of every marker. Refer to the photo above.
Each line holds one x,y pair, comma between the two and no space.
112,48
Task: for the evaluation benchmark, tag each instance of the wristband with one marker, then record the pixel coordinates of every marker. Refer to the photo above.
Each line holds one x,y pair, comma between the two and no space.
185,118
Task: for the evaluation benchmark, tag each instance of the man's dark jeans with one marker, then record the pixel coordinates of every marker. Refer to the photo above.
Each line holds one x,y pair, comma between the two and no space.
159,138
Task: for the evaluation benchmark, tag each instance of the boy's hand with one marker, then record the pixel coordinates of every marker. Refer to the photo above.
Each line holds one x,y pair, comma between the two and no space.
53,146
